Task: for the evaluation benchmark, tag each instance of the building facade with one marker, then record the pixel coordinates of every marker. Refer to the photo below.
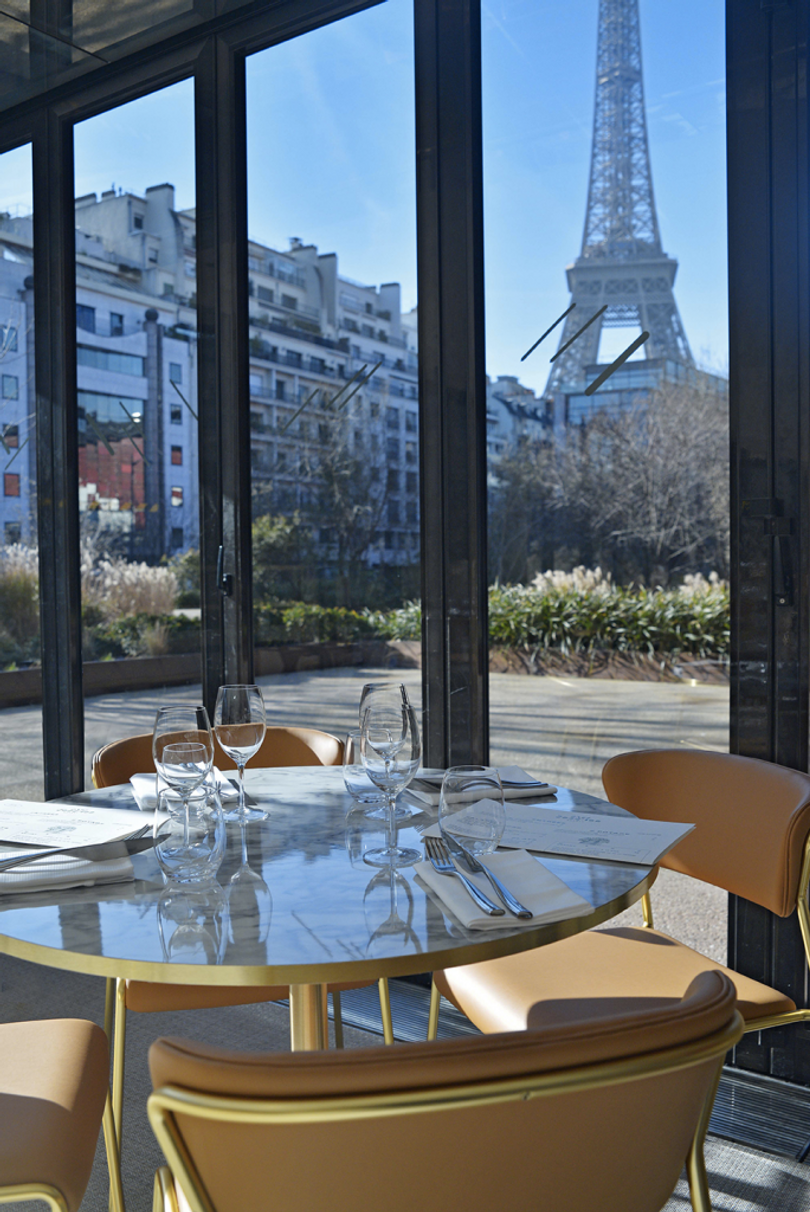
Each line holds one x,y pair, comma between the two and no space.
333,384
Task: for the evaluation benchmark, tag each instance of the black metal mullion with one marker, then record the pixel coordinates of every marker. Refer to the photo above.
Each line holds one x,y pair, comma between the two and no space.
57,455
768,284
224,418
452,380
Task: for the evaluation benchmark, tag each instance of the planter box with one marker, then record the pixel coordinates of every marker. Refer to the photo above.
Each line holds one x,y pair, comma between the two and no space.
19,687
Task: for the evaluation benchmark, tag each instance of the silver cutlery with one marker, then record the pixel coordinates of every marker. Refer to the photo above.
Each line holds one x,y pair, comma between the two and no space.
476,867
97,851
440,858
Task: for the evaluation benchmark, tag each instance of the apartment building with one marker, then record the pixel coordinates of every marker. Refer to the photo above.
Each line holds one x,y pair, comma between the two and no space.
333,368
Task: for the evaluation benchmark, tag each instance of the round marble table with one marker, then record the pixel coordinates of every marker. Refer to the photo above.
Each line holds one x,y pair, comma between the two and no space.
308,911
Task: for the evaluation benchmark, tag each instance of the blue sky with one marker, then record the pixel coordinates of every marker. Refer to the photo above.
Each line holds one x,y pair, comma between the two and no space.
331,156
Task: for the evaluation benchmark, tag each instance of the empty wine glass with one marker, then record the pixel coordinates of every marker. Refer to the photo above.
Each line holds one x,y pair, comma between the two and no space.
360,786
240,723
390,696
182,748
391,749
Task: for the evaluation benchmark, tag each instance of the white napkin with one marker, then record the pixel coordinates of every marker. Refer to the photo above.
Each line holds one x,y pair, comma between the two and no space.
145,788
549,899
507,773
65,871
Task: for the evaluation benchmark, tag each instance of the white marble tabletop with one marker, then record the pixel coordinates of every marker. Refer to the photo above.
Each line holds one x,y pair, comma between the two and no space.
313,912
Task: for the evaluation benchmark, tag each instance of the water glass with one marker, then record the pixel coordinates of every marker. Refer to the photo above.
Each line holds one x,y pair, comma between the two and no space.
191,834
471,808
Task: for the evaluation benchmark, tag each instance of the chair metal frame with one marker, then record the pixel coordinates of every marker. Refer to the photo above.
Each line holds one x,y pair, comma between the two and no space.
165,1103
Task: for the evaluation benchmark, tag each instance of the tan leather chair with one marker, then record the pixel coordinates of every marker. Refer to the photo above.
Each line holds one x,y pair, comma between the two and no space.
54,1093
596,1108
115,763
752,822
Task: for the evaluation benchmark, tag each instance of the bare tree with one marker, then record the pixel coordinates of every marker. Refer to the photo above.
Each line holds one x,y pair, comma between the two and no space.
643,493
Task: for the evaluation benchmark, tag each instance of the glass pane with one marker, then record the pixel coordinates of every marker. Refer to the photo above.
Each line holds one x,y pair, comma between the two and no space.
21,766
333,382
608,481
138,442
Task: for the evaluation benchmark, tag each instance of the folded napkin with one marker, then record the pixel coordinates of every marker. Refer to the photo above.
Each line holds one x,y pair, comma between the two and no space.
549,899
424,794
146,787
65,871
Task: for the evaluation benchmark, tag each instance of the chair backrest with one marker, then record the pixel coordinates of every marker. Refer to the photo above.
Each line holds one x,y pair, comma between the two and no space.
119,760
581,1113
752,818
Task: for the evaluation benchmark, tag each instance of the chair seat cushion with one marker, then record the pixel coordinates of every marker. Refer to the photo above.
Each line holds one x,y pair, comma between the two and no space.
54,1078
148,997
596,970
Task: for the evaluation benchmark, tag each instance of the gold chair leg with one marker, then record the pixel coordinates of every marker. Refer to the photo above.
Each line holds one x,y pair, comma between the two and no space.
338,1018
113,1158
385,1010
695,1161
646,910
109,1008
433,1012
119,1045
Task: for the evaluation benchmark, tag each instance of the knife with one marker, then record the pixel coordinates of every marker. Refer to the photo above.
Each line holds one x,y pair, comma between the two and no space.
97,851
476,867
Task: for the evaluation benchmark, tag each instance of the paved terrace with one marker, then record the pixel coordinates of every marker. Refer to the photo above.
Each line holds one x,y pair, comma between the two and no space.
561,729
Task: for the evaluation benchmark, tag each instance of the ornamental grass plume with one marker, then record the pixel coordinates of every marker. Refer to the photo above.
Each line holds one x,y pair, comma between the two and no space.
118,588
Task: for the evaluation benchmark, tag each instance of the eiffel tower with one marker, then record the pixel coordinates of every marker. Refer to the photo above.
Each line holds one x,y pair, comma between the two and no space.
622,264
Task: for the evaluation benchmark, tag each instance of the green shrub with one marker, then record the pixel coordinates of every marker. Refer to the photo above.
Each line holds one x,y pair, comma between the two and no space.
692,619
135,636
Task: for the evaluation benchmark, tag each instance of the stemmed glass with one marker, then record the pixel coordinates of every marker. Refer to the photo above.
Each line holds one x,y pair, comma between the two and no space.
240,723
390,696
182,748
391,749
183,752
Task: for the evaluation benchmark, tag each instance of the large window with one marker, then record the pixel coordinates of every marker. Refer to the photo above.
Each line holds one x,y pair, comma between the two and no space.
608,512
332,162
138,496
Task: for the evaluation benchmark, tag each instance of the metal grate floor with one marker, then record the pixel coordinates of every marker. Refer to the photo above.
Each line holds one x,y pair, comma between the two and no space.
752,1110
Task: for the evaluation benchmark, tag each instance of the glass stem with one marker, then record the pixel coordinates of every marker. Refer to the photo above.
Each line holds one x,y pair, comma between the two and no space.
391,804
240,770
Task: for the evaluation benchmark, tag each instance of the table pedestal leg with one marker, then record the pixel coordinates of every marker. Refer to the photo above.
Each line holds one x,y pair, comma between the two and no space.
308,1018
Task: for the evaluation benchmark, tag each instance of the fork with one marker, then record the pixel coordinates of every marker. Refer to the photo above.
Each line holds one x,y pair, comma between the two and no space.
476,867
439,857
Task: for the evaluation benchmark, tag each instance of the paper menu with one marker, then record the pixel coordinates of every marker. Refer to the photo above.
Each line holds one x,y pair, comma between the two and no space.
55,824
619,839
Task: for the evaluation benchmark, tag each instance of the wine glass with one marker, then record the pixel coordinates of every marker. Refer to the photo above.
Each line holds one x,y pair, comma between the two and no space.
182,748
471,808
360,786
240,723
391,696
391,749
